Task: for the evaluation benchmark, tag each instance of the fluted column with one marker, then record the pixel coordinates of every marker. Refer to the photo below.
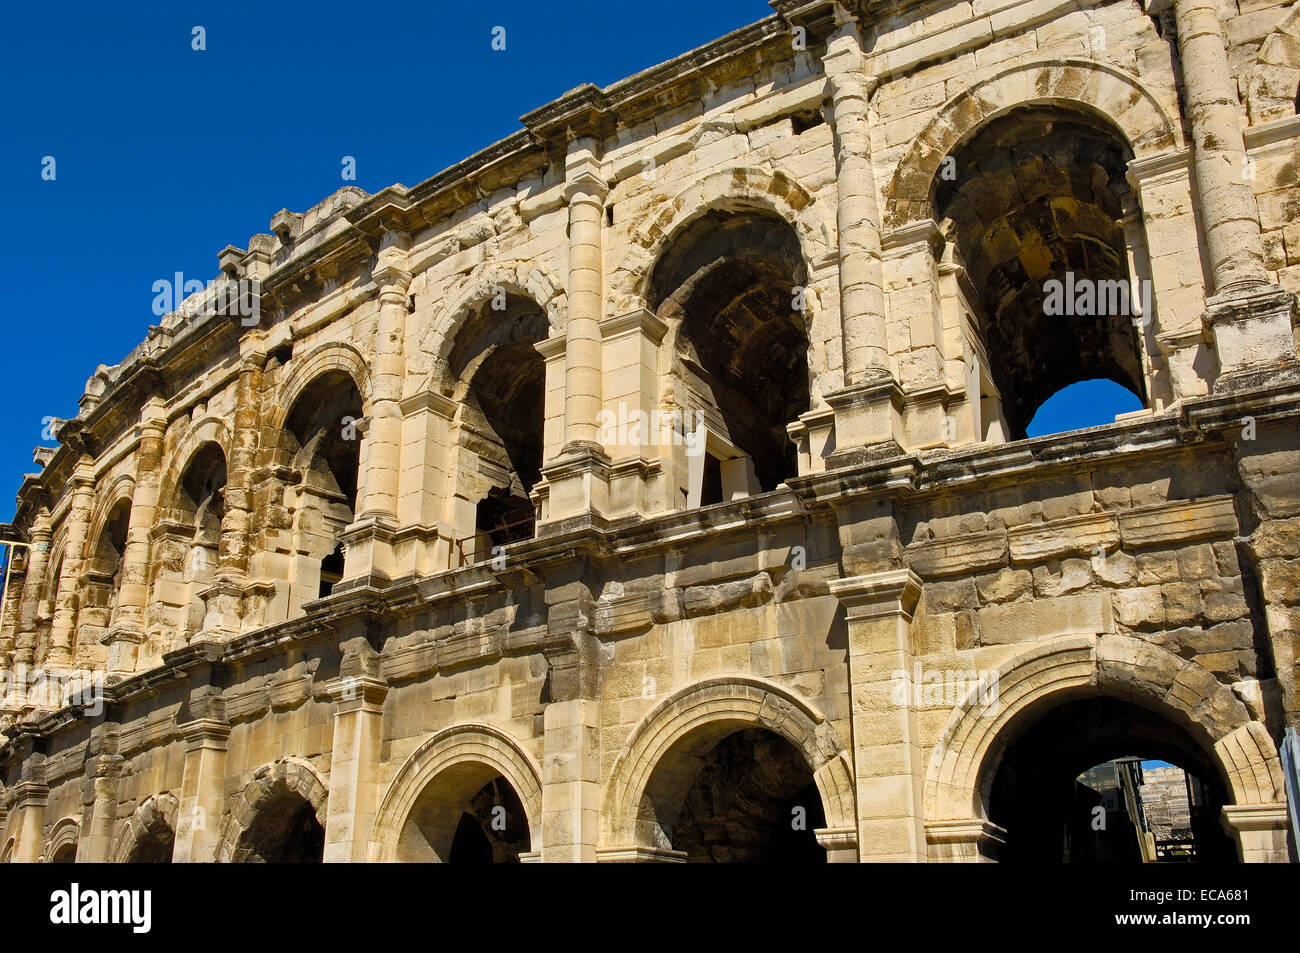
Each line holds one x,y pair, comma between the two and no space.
585,191
857,214
126,630
74,552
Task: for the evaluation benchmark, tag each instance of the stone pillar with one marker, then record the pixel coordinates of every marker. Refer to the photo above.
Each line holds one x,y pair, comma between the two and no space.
1260,831
233,552
585,190
570,783
370,537
888,765
74,550
645,444
38,557
857,215
30,798
1227,202
577,481
100,793
1251,319
355,789
198,822
13,603
126,629
868,409
427,537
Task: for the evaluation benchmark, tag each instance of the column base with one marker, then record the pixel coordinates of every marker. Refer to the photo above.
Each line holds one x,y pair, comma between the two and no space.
575,484
369,560
868,422
1252,329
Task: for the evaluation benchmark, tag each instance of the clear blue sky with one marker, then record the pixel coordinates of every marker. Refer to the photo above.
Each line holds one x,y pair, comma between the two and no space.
165,155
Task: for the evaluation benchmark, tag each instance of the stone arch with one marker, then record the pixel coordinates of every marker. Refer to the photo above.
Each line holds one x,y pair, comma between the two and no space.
122,488
466,744
63,837
521,278
727,704
286,776
957,780
155,816
208,430
7,855
333,356
1098,88
733,190
1273,87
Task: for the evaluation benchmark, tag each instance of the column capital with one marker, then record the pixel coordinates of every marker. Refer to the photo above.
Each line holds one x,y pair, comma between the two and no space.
391,279
30,794
358,693
204,733
894,592
585,185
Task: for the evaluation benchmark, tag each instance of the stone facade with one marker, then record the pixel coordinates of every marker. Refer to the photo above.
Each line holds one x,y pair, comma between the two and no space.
648,485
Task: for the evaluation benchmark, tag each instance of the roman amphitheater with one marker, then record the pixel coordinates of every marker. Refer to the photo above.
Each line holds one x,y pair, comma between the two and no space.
654,485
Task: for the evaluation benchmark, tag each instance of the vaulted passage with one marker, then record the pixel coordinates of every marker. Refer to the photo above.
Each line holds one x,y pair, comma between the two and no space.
1034,199
727,285
323,445
468,814
747,798
502,414
1054,812
200,506
155,847
285,831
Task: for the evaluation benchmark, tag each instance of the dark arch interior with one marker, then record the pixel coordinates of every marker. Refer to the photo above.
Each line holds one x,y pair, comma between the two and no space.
1048,816
154,846
493,828
203,487
1036,196
751,799
728,282
112,540
285,831
504,410
66,854
316,424
325,445
467,814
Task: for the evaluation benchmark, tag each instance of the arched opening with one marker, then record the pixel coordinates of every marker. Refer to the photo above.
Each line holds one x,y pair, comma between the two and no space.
468,814
154,846
731,289
1033,205
102,578
746,797
64,854
322,443
285,831
201,505
1067,786
501,420
1089,403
